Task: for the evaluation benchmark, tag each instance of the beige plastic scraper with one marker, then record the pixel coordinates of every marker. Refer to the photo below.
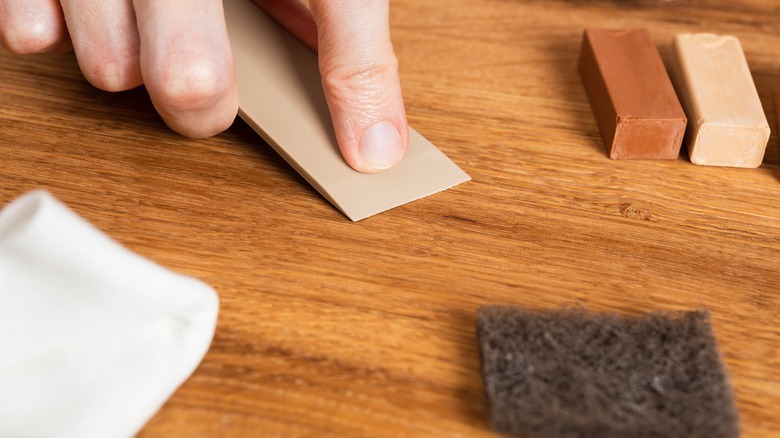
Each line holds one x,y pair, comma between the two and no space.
282,99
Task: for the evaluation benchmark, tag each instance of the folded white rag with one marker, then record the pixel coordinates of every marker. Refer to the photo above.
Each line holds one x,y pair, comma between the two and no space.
93,338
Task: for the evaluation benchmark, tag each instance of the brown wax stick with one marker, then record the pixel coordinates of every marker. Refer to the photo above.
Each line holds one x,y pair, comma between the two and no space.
633,100
728,126
281,98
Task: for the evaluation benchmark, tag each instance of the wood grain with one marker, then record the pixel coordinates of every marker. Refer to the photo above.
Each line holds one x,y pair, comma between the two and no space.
333,328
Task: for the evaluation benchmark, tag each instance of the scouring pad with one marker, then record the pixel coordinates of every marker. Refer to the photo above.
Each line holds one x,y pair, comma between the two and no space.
574,373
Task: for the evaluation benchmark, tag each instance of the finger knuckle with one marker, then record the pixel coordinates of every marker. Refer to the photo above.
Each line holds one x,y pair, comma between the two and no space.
113,75
26,37
193,84
361,78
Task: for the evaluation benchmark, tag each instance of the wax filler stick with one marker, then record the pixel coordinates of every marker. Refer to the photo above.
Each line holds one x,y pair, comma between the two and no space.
631,95
573,373
281,98
727,125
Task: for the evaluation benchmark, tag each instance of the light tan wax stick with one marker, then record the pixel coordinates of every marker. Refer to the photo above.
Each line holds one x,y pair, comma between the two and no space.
726,122
281,98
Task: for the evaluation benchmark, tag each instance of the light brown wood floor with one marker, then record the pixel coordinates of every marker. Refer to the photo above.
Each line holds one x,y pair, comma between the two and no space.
333,328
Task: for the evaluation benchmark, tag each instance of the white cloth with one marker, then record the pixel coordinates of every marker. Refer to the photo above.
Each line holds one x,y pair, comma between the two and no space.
93,338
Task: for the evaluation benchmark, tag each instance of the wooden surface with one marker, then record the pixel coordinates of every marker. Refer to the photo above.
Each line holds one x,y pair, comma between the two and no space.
334,328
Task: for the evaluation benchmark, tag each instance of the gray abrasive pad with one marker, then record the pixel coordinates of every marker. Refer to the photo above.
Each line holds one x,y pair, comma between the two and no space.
572,373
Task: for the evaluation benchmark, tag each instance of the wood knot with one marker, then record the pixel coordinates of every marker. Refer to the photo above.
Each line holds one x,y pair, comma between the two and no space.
634,212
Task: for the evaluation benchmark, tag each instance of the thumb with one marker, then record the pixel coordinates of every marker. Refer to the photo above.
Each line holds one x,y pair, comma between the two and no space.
360,78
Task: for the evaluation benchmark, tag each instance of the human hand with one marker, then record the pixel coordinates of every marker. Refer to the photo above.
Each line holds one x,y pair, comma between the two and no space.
183,56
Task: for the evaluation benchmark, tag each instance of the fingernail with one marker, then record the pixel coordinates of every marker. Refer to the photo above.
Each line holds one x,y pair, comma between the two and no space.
380,148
